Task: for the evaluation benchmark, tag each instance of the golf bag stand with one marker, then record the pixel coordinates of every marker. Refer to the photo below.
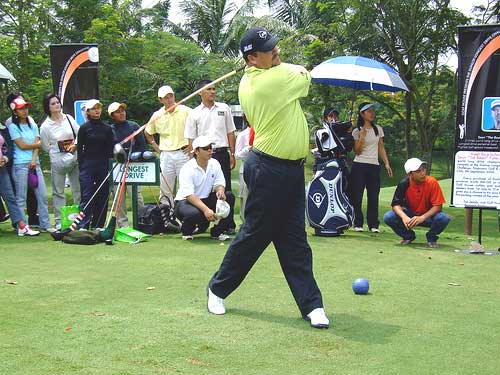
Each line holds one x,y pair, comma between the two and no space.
328,209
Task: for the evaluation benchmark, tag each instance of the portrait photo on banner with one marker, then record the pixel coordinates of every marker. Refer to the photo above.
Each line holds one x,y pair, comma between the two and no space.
491,114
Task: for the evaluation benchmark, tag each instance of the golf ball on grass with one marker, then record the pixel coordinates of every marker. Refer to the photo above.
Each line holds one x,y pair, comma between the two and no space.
360,286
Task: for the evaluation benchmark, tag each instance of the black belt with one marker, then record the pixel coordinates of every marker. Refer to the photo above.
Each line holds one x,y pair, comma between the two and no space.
274,158
219,149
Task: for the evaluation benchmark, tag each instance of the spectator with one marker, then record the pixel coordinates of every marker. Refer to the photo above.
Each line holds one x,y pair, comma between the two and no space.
174,147
58,135
122,129
365,171
201,184
27,144
418,201
242,149
215,120
95,148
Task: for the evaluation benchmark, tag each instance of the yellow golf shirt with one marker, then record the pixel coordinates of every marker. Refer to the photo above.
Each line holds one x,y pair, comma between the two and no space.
270,101
170,127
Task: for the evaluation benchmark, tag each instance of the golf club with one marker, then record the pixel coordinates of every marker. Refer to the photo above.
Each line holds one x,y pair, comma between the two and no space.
213,83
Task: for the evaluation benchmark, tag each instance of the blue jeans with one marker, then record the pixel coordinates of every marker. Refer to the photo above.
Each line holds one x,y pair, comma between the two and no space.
275,212
20,173
7,193
437,224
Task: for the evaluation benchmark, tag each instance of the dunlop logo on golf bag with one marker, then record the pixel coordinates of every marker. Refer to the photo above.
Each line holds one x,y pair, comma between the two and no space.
327,205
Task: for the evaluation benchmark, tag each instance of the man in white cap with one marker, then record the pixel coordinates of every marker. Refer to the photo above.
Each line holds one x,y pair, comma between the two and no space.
201,185
173,146
122,128
418,201
495,114
269,93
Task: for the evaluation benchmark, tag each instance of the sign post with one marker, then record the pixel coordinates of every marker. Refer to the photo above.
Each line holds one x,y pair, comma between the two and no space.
140,173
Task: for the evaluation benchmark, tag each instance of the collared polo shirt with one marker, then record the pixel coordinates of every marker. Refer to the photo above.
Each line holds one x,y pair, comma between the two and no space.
170,127
270,100
28,135
193,179
215,123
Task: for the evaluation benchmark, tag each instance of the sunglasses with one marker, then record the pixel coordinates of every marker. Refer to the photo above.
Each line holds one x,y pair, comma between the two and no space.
206,148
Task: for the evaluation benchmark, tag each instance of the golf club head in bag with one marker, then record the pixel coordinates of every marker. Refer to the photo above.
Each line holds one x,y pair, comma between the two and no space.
119,153
148,155
136,156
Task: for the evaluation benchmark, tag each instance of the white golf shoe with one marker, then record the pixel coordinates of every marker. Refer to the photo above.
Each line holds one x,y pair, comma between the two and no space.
215,305
318,318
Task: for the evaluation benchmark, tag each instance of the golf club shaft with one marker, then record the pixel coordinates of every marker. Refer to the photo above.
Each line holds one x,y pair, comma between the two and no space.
171,108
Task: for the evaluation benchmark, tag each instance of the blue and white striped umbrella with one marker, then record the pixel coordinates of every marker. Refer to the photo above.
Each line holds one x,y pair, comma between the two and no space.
359,73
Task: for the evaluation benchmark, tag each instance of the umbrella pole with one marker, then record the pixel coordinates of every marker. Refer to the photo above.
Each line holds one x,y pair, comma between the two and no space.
352,104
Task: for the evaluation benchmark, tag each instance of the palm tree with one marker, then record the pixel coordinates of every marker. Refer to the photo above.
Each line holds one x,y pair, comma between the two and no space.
215,25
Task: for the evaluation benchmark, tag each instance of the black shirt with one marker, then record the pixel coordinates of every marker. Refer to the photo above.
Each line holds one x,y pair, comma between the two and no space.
95,141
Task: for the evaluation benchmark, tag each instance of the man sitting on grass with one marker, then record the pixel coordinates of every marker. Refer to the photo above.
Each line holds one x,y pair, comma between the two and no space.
201,184
418,200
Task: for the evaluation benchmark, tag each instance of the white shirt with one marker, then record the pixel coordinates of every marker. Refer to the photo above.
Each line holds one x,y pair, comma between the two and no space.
51,132
369,153
242,148
193,179
215,123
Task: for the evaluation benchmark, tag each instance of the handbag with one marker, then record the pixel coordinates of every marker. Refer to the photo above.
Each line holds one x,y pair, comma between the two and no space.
66,159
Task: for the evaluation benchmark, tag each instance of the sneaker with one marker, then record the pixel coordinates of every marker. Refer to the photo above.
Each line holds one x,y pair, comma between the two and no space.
48,230
375,230
5,218
433,244
318,318
187,238
220,237
405,242
215,305
27,231
358,229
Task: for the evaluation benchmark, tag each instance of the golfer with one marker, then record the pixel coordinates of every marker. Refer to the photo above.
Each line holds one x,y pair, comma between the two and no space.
269,93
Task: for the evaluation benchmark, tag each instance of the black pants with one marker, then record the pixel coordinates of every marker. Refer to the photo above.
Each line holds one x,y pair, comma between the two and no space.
92,174
274,213
224,160
191,216
365,176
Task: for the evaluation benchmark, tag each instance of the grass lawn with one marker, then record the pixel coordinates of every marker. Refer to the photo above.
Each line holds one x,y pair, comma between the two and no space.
93,309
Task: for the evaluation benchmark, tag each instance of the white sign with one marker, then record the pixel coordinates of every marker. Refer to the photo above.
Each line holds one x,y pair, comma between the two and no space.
138,172
476,182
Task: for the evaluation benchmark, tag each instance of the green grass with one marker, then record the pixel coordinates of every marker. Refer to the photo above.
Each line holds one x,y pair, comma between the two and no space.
88,310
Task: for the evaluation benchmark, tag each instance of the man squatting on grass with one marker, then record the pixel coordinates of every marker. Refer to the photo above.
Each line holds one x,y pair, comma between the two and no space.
418,200
269,93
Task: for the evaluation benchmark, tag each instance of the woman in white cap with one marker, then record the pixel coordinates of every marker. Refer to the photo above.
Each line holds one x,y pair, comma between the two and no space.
365,172
58,135
94,149
24,134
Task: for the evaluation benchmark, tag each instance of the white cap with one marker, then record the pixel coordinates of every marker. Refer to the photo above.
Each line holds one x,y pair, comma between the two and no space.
222,209
201,141
91,103
164,90
413,164
495,103
115,106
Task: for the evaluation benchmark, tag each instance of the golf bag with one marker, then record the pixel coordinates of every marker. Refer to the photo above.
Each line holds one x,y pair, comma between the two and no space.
154,219
328,209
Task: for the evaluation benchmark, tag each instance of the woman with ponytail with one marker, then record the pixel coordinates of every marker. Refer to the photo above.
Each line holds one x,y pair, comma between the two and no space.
365,172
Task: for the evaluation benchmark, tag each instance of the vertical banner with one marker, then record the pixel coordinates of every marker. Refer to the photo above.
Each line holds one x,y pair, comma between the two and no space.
75,75
476,169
